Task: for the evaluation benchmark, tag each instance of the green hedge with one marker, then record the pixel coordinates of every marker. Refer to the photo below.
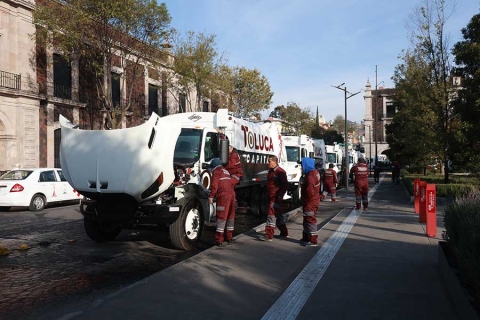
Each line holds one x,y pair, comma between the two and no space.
451,190
462,224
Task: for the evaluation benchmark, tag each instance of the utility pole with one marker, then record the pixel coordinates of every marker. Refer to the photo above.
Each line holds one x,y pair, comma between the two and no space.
375,116
348,95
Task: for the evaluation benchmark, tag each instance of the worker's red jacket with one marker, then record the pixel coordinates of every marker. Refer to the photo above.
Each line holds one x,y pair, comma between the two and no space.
311,191
277,184
360,170
234,165
330,177
221,182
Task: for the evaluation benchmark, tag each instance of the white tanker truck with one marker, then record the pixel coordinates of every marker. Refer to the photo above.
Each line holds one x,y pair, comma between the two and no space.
158,173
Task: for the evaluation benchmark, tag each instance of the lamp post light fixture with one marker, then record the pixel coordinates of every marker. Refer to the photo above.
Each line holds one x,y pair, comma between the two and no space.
348,95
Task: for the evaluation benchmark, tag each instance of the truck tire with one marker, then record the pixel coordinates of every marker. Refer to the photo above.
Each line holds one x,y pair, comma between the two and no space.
4,209
263,203
187,230
100,231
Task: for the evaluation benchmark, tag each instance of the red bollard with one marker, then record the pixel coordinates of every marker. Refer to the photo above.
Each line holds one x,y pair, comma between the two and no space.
423,201
431,205
416,194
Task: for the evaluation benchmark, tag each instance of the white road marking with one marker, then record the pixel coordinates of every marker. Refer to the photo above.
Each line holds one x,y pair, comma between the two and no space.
291,302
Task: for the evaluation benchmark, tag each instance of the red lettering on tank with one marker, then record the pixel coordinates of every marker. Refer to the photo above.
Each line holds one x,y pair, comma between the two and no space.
245,130
271,145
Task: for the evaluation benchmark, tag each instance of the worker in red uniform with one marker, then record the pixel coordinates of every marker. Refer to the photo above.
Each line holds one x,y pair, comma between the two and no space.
221,188
311,201
330,181
360,171
234,167
277,185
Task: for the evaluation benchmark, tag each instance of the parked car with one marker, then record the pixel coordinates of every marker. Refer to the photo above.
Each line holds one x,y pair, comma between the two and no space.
34,188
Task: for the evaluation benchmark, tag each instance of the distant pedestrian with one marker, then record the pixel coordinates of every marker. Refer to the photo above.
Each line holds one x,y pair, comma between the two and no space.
376,173
311,201
330,182
277,185
360,171
221,188
396,171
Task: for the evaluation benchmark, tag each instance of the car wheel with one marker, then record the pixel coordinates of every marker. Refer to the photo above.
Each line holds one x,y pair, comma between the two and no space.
4,209
101,231
37,203
187,230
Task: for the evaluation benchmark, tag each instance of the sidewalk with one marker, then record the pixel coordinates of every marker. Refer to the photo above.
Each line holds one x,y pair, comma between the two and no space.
376,264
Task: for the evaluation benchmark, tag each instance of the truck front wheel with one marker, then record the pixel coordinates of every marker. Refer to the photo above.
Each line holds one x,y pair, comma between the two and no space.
101,231
187,230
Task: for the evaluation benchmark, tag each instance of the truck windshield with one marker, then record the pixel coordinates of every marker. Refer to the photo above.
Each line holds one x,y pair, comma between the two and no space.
332,157
187,149
292,154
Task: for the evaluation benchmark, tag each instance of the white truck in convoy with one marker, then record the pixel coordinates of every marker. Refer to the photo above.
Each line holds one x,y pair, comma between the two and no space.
297,147
158,173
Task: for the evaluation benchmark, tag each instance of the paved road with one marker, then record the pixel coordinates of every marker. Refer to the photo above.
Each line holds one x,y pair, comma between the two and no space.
64,270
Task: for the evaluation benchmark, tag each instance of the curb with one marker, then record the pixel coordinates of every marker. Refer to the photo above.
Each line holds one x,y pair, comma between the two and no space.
460,302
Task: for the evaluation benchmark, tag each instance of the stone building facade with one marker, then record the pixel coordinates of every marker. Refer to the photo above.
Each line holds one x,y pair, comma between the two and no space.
37,85
379,111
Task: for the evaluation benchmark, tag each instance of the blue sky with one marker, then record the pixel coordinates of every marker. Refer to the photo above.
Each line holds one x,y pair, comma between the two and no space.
305,46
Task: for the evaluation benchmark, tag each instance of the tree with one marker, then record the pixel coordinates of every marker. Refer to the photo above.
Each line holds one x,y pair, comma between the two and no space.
423,88
339,124
108,33
252,93
299,121
197,63
467,56
331,136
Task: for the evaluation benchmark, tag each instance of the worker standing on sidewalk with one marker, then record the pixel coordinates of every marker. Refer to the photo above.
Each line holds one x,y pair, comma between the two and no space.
234,167
360,171
311,201
221,187
277,185
330,182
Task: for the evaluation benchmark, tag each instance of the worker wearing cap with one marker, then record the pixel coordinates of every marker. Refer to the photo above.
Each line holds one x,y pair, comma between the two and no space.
360,171
330,182
221,188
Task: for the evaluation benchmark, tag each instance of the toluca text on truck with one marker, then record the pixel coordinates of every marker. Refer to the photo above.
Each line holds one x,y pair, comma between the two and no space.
297,147
158,173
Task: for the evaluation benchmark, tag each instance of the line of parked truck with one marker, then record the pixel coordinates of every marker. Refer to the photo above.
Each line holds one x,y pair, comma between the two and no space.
158,173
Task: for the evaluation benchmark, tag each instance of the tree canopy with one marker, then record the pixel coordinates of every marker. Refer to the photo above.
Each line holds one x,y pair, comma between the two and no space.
102,31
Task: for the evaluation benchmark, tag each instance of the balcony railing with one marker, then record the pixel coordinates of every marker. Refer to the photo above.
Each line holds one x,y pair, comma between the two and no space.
10,80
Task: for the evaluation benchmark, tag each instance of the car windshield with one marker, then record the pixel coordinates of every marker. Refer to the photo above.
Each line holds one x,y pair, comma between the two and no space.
16,175
188,146
292,154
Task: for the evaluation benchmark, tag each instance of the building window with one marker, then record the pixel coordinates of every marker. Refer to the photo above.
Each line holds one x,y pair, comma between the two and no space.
390,109
152,99
57,139
115,89
62,77
182,103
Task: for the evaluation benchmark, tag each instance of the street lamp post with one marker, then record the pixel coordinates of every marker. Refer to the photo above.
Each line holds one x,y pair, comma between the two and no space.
346,129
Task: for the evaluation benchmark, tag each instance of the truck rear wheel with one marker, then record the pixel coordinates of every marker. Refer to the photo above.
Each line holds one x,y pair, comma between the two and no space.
100,231
187,230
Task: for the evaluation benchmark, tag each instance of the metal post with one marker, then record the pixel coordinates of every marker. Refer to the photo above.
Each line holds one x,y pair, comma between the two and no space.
346,143
346,133
375,116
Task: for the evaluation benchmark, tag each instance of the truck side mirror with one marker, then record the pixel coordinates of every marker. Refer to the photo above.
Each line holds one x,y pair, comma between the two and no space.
224,144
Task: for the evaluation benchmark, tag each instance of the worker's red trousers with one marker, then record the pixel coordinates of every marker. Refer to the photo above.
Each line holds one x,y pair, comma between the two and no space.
224,202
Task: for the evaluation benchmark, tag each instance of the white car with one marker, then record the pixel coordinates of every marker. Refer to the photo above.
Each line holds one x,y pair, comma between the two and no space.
34,188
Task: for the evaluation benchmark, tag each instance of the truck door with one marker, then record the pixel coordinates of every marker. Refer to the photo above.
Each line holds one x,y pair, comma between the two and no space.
210,150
